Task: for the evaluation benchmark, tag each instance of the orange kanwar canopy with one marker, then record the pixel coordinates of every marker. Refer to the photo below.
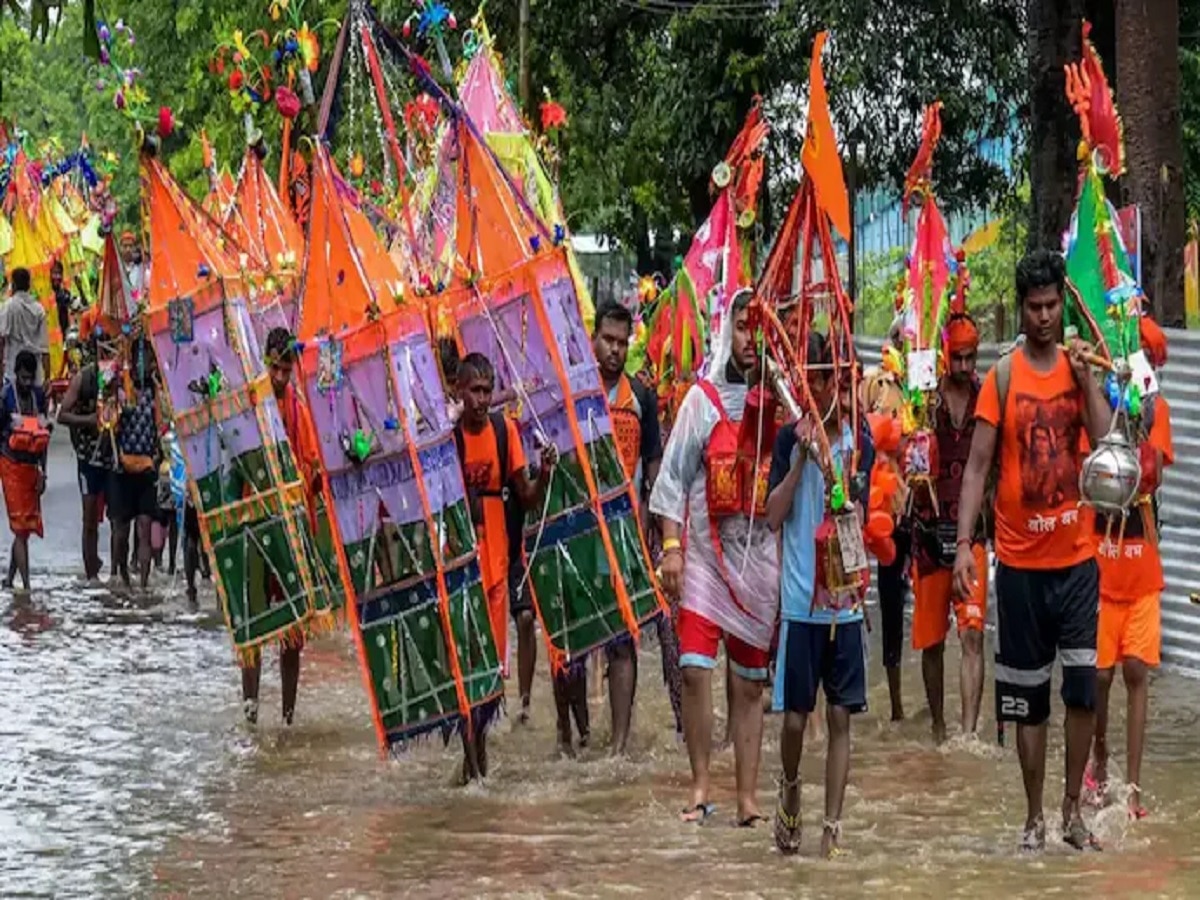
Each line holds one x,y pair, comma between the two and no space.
258,219
187,247
347,271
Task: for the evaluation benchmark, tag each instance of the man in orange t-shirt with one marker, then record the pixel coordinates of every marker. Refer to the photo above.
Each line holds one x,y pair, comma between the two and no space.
1047,580
488,492
280,357
1131,582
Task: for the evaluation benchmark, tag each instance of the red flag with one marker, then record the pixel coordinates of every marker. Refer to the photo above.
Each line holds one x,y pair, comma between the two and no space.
820,157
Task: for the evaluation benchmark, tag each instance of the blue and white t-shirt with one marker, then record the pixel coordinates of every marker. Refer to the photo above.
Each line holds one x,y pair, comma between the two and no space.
798,559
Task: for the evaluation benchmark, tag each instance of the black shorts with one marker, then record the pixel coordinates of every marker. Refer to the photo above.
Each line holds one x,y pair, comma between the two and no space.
93,480
129,496
1041,613
519,601
893,588
817,656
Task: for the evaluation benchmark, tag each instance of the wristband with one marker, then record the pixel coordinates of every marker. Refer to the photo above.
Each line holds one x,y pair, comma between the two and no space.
963,542
670,544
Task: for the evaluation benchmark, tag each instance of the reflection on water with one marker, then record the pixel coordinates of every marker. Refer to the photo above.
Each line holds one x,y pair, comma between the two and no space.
125,771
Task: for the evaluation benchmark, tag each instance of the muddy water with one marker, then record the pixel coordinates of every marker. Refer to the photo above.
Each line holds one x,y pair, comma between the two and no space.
125,771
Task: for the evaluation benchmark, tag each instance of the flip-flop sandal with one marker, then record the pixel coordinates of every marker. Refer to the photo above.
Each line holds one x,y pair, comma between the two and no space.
751,821
698,814
787,826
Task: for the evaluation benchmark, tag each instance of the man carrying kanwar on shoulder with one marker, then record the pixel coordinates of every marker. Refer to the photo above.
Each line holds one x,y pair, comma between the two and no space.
822,641
80,412
935,530
633,411
1031,415
280,357
1131,584
713,483
494,468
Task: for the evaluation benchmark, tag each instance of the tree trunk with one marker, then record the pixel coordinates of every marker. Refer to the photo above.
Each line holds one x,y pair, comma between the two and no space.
1054,40
1148,100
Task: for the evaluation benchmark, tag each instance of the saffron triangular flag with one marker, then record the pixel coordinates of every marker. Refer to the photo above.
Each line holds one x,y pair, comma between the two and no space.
822,163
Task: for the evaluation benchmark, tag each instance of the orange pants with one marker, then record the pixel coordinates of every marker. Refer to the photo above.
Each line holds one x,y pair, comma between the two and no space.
497,601
1129,630
932,602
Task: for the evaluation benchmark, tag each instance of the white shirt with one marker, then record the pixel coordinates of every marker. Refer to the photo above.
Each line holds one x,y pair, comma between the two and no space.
23,327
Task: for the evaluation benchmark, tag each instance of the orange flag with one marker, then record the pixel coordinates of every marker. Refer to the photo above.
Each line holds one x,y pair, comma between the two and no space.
822,162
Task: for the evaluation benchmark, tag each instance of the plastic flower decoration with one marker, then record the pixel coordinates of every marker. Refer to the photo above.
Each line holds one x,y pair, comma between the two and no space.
297,52
129,97
553,115
248,80
287,102
431,21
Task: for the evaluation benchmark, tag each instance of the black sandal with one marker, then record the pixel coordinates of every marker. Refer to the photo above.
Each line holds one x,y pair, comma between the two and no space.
698,814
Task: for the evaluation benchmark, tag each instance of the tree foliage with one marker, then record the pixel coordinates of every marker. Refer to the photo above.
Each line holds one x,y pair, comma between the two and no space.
657,91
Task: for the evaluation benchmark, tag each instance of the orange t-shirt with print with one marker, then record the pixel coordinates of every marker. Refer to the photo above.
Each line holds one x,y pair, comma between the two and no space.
1132,569
1039,523
481,473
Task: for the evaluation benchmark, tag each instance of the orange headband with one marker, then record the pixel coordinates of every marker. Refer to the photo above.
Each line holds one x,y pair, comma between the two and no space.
961,334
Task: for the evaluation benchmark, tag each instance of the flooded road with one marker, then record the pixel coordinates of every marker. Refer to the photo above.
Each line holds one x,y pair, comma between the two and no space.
125,771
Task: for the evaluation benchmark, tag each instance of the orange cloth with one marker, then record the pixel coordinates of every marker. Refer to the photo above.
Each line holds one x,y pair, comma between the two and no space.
932,602
481,473
1154,341
21,497
962,335
302,435
1039,523
627,427
93,318
1129,631
1130,570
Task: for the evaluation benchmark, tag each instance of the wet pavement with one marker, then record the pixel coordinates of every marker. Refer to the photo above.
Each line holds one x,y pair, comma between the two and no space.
125,771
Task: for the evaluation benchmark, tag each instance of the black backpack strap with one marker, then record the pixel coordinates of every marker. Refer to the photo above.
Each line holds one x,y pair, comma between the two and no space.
500,428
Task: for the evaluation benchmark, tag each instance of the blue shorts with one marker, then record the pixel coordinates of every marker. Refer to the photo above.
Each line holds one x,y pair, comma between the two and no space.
814,658
93,480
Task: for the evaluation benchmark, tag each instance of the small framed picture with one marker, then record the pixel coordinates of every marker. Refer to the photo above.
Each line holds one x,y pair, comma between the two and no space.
181,314
329,365
922,370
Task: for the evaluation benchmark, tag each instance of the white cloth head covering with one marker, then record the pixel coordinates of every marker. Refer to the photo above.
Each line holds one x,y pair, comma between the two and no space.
750,549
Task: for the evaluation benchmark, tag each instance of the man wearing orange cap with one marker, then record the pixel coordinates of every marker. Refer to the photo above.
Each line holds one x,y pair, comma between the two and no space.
1131,581
934,545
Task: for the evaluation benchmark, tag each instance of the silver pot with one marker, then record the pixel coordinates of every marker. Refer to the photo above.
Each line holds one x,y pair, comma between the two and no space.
1110,475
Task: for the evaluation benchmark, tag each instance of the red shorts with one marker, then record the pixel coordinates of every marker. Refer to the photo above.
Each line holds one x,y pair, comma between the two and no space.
698,641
